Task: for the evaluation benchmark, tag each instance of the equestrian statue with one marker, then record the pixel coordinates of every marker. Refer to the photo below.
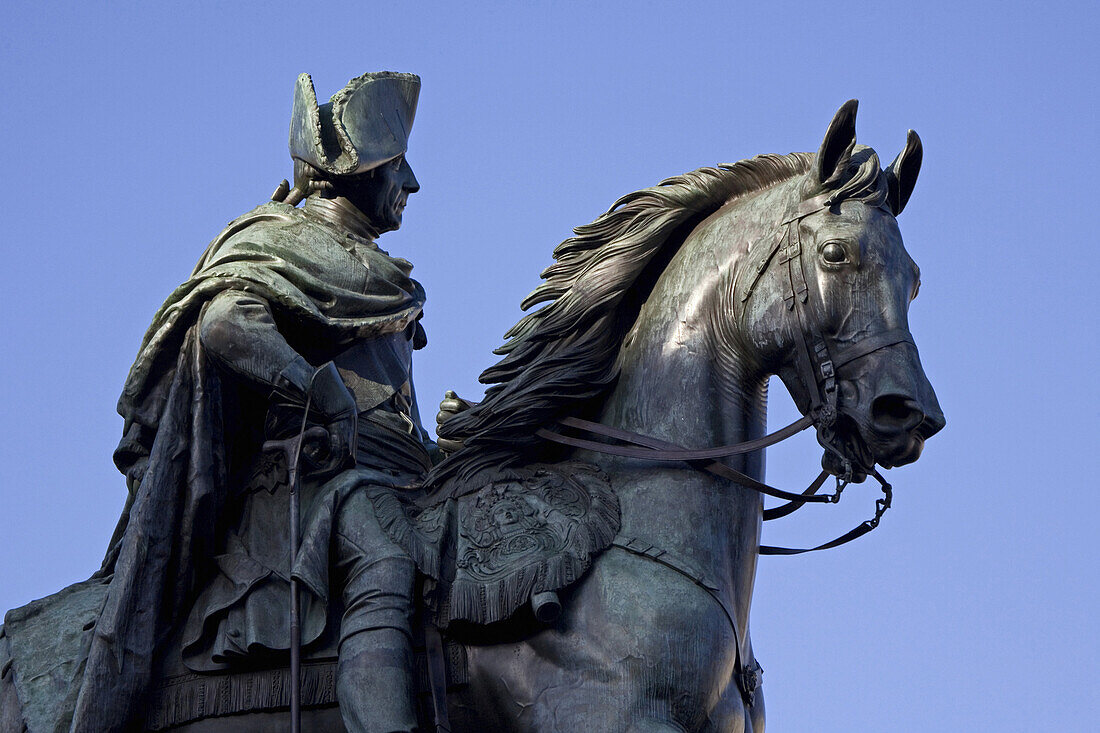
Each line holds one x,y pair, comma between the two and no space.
578,550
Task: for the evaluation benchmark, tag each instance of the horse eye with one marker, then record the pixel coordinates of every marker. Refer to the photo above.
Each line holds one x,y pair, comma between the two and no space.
834,253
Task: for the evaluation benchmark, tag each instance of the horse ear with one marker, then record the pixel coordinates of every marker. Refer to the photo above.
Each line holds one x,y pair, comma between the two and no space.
836,149
901,175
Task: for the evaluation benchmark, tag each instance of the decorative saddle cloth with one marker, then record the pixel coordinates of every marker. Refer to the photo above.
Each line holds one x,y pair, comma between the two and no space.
521,531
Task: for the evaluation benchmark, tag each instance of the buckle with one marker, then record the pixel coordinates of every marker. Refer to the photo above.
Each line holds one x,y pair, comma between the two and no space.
825,417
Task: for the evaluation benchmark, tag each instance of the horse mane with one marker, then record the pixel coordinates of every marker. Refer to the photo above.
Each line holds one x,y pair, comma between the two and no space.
558,359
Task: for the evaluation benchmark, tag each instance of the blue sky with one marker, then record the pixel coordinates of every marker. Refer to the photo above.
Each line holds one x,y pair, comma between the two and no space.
135,131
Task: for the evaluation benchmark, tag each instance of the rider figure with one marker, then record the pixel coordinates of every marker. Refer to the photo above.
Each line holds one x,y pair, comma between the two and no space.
288,307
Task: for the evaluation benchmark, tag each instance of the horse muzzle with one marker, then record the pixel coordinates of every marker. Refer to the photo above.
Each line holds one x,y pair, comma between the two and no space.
888,409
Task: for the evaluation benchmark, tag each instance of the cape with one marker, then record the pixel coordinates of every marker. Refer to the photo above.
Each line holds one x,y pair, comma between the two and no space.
174,446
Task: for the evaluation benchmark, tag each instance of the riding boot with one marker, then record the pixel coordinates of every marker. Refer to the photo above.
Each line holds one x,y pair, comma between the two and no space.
374,680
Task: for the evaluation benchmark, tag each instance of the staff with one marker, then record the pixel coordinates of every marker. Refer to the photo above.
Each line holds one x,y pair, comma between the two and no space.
292,448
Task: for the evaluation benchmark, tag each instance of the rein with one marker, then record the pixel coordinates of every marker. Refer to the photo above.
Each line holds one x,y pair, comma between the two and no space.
652,449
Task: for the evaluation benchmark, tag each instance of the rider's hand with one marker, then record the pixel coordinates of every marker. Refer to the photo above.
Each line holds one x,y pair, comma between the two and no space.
330,449
451,405
334,406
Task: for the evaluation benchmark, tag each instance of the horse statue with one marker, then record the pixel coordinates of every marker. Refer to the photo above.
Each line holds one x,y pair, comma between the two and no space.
663,321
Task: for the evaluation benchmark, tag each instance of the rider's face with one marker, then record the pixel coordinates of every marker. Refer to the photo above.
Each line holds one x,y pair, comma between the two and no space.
382,192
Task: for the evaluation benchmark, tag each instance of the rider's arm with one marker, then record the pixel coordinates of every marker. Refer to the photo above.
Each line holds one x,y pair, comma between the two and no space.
239,332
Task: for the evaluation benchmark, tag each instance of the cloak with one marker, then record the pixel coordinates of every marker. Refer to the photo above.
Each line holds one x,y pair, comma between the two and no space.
176,441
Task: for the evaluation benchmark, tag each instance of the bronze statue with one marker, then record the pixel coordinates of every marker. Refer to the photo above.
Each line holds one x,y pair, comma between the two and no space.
585,555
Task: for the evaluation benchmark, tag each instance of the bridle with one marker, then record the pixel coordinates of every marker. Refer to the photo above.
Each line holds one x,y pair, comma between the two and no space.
816,362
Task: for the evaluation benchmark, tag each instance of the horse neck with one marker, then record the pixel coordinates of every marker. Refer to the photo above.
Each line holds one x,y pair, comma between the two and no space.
682,375
683,381
673,386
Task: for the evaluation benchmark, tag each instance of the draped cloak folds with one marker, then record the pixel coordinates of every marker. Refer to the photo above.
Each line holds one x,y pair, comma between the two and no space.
177,441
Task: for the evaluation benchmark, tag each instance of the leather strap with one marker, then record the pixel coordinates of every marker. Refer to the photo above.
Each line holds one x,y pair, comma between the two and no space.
881,505
791,506
795,501
659,450
865,346
654,452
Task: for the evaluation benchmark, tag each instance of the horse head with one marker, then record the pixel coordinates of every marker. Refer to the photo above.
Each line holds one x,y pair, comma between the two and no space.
790,265
824,305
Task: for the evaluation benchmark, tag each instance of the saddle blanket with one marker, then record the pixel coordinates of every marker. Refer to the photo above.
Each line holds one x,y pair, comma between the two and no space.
524,530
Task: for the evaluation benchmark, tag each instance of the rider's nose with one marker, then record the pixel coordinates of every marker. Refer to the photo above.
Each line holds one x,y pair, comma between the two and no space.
896,414
411,184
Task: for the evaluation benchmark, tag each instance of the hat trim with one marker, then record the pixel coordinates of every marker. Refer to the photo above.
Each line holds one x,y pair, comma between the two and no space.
313,112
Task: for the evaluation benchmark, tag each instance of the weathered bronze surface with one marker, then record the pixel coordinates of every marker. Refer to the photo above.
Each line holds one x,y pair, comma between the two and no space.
559,588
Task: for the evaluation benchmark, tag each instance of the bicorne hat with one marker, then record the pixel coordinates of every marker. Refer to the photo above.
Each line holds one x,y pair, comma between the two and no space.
364,125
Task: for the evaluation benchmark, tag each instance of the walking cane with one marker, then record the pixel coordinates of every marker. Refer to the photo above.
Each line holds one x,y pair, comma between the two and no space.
292,448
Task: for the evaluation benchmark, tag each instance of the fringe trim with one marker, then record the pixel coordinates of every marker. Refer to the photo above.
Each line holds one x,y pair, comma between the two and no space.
191,697
413,536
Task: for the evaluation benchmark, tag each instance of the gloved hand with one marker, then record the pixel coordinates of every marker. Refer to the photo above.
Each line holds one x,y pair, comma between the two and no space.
451,405
331,407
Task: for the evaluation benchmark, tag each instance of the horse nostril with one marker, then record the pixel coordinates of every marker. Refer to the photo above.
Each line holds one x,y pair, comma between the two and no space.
896,413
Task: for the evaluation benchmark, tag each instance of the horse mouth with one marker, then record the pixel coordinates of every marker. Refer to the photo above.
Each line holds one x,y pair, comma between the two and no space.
862,452
907,454
848,452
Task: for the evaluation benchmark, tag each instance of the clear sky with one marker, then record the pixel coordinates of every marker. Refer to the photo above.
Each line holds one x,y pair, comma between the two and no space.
134,131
